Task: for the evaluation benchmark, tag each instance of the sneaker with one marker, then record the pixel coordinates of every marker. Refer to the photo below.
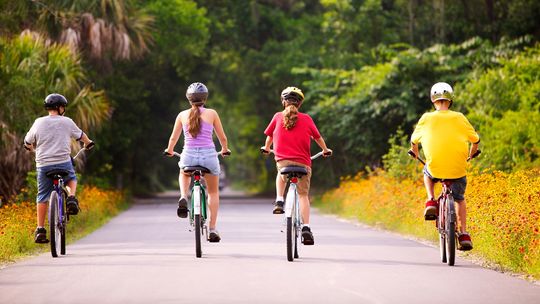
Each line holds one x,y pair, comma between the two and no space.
214,237
278,207
465,243
182,210
307,236
40,236
72,205
432,208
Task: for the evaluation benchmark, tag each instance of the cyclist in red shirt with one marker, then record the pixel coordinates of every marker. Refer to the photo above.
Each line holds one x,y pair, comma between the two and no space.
291,132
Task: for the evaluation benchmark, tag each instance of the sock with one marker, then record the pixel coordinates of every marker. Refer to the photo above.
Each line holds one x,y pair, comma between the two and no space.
39,227
306,225
279,199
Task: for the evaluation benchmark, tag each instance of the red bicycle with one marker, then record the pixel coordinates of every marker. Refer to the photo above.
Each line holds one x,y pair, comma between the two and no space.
446,220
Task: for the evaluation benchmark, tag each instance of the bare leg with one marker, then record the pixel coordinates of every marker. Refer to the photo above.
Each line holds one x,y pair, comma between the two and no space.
184,180
280,185
41,213
72,187
429,187
304,208
212,181
461,207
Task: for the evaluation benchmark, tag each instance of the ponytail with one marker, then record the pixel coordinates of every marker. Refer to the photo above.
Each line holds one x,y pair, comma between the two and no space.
290,115
194,121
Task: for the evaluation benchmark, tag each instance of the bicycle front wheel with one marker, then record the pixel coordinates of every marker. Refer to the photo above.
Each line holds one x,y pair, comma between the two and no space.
54,227
198,249
291,239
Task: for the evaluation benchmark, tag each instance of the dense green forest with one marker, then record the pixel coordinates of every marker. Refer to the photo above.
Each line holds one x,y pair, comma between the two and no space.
366,67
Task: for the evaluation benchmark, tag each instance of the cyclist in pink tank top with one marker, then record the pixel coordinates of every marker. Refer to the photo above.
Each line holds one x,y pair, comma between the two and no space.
198,125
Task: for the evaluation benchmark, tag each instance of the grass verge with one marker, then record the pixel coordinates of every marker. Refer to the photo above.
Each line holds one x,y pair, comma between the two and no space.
18,221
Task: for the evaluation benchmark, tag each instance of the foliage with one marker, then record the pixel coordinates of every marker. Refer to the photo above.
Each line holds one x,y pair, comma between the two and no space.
31,68
18,221
503,215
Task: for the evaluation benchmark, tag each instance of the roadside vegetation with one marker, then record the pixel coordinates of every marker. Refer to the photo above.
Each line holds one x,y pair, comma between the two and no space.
18,221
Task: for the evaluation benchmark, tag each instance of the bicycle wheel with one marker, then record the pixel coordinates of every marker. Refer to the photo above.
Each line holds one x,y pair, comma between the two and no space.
198,250
64,225
54,220
296,242
291,239
450,218
441,230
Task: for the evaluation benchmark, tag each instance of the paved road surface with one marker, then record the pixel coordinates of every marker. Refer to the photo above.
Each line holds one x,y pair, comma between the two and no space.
146,255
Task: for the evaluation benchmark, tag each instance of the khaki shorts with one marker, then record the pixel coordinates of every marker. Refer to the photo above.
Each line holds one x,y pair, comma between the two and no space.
303,182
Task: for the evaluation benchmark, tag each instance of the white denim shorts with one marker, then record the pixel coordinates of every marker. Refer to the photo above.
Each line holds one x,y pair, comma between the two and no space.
204,157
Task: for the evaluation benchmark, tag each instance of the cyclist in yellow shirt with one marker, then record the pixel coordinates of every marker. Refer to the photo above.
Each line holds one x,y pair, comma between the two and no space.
445,136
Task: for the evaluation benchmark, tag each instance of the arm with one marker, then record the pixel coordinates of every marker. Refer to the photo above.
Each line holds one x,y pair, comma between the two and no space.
175,135
87,141
267,144
220,134
322,144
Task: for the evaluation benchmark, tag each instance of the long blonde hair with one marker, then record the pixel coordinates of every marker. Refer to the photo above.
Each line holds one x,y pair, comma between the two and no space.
194,120
290,114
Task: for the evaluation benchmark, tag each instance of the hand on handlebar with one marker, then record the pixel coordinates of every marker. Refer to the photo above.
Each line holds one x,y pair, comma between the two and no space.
166,153
89,146
474,155
411,153
225,152
327,153
265,151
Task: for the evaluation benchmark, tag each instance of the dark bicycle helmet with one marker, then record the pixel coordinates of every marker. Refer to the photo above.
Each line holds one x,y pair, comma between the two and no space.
54,100
292,93
197,92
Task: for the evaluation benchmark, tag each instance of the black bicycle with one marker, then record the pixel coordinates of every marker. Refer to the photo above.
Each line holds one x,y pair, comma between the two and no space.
446,220
58,217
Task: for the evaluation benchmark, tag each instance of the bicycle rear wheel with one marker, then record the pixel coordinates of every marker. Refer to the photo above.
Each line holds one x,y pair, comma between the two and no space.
64,226
450,218
198,250
291,239
54,228
441,230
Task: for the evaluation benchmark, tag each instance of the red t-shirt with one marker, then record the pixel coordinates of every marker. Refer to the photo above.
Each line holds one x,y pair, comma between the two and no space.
293,144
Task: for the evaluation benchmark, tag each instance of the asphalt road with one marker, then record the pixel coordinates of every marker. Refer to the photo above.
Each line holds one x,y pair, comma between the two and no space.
147,255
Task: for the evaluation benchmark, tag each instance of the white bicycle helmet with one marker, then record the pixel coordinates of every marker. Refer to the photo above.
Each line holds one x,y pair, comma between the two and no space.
442,91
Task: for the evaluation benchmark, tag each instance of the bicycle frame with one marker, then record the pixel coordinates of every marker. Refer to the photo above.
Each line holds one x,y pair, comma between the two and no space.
198,198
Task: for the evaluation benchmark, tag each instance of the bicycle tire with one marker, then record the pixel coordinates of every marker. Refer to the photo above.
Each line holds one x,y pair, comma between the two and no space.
55,238
290,241
296,243
450,232
198,250
63,229
441,230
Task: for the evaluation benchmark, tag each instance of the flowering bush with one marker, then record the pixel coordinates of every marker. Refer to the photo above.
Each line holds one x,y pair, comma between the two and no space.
503,212
18,221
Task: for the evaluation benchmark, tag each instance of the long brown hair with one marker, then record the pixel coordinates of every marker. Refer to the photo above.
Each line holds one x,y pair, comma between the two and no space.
194,120
290,114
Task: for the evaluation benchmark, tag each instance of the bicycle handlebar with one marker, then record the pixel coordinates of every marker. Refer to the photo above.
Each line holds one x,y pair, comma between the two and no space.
178,154
87,148
411,153
321,153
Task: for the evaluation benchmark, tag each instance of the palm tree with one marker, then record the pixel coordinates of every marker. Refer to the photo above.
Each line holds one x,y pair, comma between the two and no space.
99,29
30,68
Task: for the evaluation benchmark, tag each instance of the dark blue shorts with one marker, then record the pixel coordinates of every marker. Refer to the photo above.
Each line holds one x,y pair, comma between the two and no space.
458,185
45,184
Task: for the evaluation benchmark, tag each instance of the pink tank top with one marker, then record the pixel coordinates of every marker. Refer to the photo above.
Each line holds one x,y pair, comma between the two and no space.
203,139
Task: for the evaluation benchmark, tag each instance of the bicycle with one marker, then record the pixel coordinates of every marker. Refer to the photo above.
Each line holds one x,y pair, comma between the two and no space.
198,213
446,220
58,217
292,205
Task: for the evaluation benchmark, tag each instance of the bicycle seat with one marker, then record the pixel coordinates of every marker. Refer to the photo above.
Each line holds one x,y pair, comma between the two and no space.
55,172
191,169
295,170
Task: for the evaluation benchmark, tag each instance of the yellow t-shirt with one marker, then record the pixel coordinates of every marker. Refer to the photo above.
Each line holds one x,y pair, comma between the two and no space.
445,137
